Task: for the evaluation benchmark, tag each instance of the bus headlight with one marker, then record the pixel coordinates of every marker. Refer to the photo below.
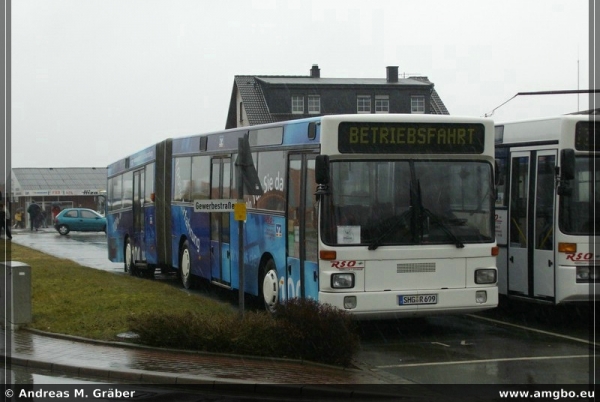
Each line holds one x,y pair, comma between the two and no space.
349,302
585,274
480,296
342,281
483,276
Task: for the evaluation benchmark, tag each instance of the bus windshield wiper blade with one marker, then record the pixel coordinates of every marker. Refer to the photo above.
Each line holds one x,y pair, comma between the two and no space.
394,223
444,227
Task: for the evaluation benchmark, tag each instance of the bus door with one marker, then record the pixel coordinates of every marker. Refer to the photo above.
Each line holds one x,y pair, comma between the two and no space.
139,246
531,215
543,240
518,272
220,254
302,236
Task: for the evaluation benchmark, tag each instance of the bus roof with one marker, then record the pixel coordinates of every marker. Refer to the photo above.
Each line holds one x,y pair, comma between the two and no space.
532,130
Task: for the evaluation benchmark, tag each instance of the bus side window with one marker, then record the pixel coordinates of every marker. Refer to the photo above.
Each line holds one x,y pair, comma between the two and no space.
200,177
182,186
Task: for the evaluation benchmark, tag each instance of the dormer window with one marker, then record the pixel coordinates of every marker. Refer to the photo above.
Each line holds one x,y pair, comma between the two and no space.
363,104
297,104
417,104
382,104
314,104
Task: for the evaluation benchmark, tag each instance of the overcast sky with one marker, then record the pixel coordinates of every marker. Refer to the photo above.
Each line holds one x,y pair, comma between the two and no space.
96,80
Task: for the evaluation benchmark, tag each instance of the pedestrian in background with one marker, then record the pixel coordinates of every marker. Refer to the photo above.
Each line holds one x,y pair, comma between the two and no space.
55,211
5,221
19,219
34,213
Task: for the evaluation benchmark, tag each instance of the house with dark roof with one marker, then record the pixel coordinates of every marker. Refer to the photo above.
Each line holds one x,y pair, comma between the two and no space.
258,99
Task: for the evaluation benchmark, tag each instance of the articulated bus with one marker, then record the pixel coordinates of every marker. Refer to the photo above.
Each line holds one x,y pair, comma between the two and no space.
546,224
380,215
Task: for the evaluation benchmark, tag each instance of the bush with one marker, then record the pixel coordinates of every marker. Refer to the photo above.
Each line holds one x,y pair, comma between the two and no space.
299,329
253,336
317,332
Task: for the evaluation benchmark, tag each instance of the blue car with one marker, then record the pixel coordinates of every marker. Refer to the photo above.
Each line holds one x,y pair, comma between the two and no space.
79,220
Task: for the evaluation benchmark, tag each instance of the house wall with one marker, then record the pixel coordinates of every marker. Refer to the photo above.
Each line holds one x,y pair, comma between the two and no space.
343,100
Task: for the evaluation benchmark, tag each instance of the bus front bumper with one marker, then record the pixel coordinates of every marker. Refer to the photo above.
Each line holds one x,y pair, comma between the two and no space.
391,304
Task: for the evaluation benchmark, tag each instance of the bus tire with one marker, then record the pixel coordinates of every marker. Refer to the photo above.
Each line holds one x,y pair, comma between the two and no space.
129,265
270,288
148,273
185,269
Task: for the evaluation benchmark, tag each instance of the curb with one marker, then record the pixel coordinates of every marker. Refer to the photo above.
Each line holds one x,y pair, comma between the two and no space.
141,377
192,352
207,383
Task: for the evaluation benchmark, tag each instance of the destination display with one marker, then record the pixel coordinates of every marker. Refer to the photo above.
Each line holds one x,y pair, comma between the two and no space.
587,136
391,138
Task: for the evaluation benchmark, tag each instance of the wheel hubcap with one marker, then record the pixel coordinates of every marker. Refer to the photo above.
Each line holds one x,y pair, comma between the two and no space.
185,265
128,257
270,288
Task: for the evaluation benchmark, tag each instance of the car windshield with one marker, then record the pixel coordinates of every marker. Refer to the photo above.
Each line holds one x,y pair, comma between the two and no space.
377,203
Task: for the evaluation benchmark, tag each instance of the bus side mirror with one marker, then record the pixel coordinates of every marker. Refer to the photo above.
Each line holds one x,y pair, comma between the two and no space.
567,164
322,169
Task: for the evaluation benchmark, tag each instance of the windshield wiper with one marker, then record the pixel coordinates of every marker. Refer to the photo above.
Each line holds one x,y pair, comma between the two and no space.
393,223
445,228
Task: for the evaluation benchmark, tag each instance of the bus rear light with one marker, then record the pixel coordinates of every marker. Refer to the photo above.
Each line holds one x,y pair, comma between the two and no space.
349,302
567,247
485,276
342,281
481,296
328,255
495,251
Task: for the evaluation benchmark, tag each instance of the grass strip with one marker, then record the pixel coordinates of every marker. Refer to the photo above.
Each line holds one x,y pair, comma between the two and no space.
68,298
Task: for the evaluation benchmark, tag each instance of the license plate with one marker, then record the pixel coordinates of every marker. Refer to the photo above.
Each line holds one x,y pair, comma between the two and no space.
417,299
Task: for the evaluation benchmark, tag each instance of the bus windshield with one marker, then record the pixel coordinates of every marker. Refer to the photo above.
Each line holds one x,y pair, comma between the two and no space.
393,202
576,209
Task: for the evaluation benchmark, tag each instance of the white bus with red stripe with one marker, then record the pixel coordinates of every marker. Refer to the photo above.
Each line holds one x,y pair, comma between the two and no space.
547,207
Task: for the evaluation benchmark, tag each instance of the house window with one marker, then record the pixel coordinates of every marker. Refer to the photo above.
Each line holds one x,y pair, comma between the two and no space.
314,104
297,104
363,104
417,104
382,104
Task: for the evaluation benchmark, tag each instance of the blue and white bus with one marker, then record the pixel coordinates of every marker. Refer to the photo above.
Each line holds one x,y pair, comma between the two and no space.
379,215
547,208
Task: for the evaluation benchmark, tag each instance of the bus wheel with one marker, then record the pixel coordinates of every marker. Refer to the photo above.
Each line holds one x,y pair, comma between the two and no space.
129,267
148,273
185,266
270,286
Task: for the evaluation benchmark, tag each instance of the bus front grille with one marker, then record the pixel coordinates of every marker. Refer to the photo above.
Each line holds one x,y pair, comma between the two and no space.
412,268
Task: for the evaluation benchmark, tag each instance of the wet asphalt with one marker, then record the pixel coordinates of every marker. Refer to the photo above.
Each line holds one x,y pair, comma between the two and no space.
87,249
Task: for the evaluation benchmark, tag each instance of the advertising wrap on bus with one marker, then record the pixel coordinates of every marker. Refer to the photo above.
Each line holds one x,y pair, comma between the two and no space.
383,216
